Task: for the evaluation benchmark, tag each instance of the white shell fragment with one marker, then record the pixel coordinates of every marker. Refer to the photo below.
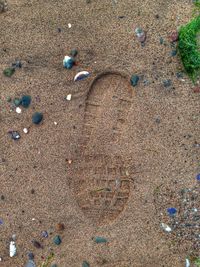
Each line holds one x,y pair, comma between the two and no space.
25,130
18,110
81,75
166,227
187,263
69,25
13,249
69,97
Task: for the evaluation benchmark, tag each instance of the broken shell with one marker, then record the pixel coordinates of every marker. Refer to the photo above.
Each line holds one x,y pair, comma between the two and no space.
13,249
166,227
81,75
69,97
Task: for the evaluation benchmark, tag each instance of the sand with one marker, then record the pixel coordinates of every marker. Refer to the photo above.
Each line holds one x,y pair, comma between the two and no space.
136,134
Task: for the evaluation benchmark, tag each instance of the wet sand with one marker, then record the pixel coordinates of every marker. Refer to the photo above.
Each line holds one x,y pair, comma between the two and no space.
150,140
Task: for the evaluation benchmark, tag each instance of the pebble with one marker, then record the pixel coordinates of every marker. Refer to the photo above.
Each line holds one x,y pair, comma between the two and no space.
44,234
167,83
60,227
54,265
18,110
14,237
9,99
173,53
30,263
141,35
14,135
17,64
17,102
26,101
68,62
179,75
174,36
161,40
74,52
9,72
57,240
69,97
171,211
37,117
134,80
69,25
25,130
85,264
99,239
30,256
1,221
157,120
198,177
196,89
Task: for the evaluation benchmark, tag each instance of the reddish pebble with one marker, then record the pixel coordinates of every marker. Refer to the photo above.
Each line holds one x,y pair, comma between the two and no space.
196,89
174,36
60,227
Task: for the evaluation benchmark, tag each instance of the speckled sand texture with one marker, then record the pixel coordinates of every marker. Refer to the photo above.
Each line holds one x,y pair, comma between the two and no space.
108,130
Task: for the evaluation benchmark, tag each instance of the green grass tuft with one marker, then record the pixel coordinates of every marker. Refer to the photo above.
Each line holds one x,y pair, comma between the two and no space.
188,48
189,45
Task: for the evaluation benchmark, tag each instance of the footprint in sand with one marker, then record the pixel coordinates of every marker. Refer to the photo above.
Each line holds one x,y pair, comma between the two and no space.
101,181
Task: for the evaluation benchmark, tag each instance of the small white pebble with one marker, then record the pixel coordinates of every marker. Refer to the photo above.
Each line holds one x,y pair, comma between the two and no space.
25,130
55,122
69,97
69,25
33,219
18,110
1,259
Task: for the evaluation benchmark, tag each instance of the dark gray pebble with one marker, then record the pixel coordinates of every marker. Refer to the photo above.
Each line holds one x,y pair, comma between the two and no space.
173,53
17,64
167,83
14,135
74,52
37,117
